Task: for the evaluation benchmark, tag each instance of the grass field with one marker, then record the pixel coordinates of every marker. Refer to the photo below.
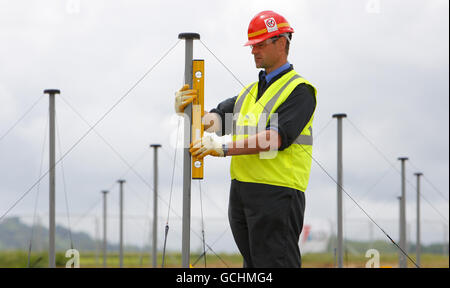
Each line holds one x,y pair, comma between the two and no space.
19,259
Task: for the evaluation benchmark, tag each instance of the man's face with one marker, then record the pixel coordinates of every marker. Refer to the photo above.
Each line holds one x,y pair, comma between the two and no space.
268,52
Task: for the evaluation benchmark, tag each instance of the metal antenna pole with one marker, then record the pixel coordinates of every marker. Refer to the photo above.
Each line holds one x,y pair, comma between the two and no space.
402,257
51,229
155,204
186,222
121,224
418,248
104,228
340,227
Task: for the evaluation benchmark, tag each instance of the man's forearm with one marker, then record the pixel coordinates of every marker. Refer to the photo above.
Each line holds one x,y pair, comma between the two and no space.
211,122
261,142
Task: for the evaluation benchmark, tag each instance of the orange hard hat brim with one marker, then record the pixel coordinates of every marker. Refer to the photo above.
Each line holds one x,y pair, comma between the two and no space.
254,41
261,38
264,36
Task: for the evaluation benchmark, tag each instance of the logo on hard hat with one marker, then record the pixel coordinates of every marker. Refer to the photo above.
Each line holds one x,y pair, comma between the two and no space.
271,24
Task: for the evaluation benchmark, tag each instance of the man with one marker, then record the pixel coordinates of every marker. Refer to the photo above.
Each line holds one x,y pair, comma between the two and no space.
271,148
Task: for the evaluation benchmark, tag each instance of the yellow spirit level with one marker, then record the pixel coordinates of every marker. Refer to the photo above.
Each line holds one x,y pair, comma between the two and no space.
198,83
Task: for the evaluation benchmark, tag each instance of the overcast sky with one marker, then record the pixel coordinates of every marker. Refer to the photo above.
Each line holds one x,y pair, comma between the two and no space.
384,63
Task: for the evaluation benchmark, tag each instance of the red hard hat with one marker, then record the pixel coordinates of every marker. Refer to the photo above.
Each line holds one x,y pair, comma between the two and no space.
265,25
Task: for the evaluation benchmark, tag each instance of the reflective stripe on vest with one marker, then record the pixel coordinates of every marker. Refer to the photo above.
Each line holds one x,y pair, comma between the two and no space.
305,139
240,100
267,108
290,167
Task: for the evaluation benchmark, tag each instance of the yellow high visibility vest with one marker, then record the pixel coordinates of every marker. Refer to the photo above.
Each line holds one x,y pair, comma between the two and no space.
288,168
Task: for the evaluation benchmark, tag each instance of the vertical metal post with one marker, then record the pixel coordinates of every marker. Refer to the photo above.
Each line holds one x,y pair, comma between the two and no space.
155,205
402,257
121,224
340,226
418,248
186,218
51,229
97,241
104,228
408,235
400,229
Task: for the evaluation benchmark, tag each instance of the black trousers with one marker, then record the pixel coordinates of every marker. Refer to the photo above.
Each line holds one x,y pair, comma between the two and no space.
266,222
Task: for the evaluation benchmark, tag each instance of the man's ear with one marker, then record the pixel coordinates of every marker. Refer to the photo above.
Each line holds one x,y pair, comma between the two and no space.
283,44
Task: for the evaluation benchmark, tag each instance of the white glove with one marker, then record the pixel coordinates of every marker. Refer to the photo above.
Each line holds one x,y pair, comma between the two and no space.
206,146
183,97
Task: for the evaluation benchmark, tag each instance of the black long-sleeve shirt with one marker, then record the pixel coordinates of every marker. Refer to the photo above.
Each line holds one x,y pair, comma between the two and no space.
293,114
